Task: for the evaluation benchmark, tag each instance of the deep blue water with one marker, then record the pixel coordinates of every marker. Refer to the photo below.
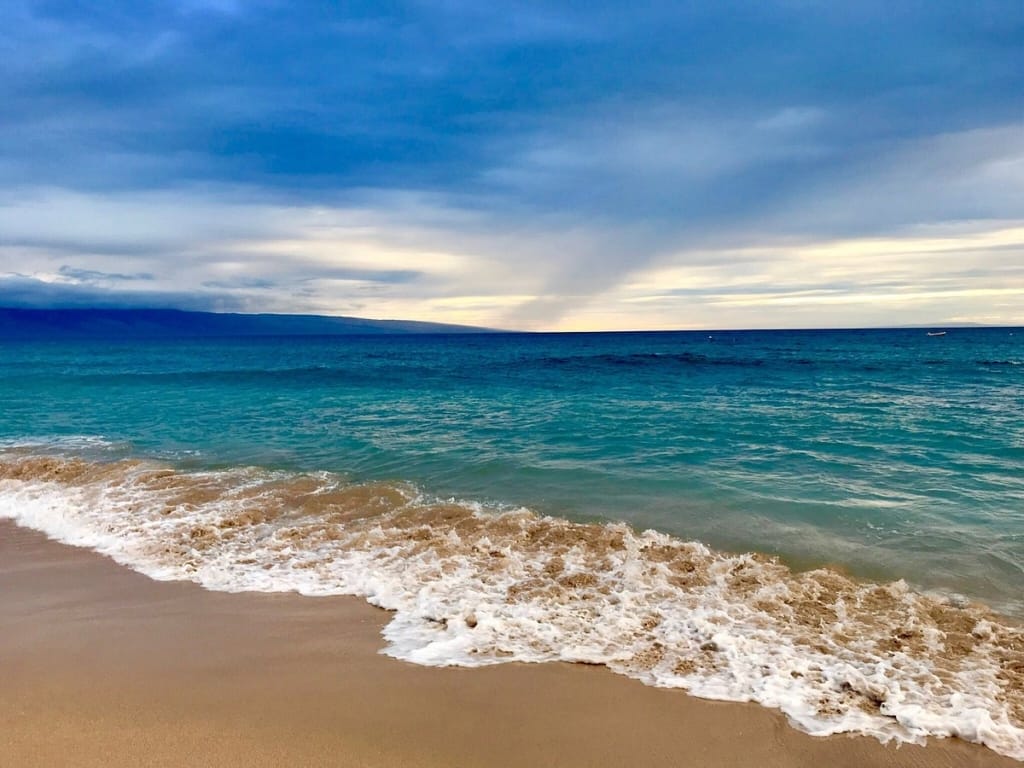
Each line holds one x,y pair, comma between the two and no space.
887,452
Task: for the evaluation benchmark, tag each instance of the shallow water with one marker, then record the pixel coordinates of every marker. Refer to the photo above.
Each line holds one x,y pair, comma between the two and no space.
890,453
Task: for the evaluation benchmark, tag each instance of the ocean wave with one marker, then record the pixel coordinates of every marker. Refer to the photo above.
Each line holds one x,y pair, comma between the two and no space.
64,443
301,375
646,359
697,359
473,586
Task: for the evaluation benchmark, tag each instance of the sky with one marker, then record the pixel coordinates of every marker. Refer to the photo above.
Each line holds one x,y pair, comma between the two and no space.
522,165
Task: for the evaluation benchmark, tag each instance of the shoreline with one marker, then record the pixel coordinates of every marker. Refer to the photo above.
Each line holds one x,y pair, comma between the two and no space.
109,667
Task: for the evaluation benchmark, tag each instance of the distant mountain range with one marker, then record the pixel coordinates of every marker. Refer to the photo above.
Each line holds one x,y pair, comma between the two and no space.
17,323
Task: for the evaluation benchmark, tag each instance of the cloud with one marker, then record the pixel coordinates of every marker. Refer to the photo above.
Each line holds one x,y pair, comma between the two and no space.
303,98
729,184
94,276
973,271
26,292
521,164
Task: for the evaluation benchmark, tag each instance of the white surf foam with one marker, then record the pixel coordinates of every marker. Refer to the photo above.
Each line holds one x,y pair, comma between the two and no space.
472,587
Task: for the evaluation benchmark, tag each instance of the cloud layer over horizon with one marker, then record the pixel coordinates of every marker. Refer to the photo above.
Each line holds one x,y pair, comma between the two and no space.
534,165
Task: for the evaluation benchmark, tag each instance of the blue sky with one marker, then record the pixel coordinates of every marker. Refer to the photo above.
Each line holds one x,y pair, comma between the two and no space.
524,165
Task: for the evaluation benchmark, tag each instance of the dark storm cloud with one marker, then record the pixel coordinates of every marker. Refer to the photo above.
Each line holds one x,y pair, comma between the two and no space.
310,98
22,291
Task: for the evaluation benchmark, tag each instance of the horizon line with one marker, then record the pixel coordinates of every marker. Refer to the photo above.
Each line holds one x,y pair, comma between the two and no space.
710,329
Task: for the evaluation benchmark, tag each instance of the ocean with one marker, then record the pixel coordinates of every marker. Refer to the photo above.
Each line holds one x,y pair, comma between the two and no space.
826,522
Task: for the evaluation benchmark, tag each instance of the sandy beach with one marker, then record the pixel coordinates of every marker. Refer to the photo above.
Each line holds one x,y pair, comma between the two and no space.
103,666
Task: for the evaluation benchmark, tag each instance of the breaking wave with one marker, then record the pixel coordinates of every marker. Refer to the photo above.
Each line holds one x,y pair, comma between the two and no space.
471,586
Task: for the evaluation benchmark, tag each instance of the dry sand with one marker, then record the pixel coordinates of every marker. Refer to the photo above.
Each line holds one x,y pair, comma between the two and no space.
100,666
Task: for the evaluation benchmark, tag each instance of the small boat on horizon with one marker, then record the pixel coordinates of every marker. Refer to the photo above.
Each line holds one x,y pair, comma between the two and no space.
936,333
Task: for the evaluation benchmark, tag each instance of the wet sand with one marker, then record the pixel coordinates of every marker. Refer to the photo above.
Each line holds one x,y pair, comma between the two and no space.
100,666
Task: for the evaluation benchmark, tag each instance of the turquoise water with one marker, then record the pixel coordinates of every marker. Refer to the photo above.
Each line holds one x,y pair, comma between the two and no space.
888,453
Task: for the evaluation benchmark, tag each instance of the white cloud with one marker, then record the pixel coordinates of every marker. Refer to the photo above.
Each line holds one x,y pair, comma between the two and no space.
970,272
799,261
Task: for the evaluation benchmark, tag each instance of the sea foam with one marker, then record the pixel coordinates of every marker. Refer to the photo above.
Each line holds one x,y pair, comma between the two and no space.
472,586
